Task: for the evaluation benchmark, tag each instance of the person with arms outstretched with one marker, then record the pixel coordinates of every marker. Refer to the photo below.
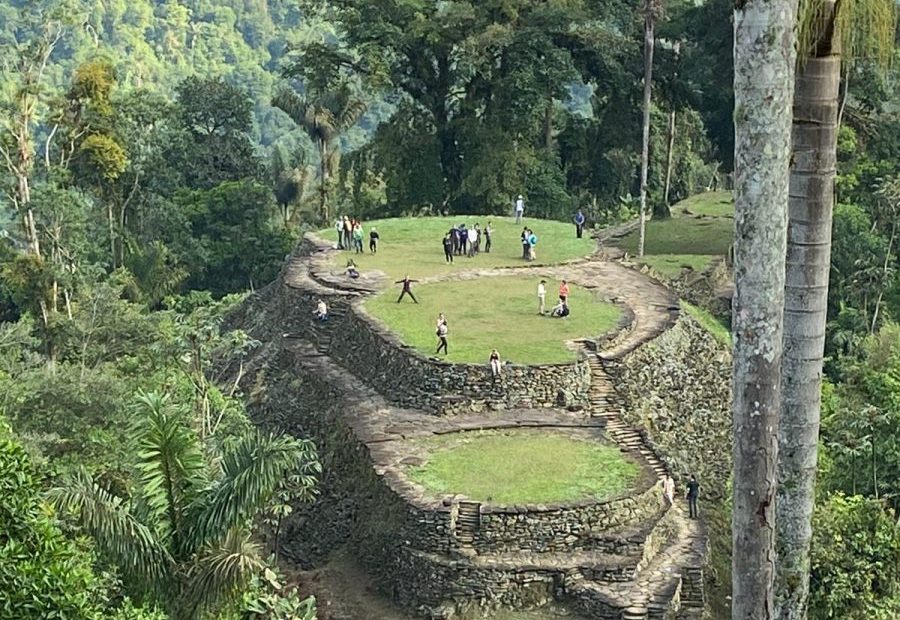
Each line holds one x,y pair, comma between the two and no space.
407,289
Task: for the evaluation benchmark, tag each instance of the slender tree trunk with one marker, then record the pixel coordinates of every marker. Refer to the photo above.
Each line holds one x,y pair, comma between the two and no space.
813,163
670,155
887,262
112,234
548,125
764,59
649,23
323,180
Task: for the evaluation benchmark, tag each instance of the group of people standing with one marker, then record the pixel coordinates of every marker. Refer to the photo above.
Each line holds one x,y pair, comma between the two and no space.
529,240
459,241
350,235
693,493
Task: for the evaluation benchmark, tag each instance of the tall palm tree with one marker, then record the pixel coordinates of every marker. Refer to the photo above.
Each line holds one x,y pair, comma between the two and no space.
184,537
651,13
763,90
324,118
827,29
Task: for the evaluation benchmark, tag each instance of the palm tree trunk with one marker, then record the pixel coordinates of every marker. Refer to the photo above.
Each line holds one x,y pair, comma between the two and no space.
670,155
813,164
763,88
323,180
649,23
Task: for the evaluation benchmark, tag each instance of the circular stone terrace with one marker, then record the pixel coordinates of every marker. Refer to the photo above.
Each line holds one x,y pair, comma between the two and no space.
485,493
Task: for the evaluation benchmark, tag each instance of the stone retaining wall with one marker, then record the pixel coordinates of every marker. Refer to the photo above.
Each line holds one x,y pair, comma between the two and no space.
677,389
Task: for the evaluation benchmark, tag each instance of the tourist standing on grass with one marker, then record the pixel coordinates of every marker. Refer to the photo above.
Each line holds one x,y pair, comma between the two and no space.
524,243
339,227
454,239
579,223
463,240
358,237
442,338
448,246
564,291
407,289
488,231
532,241
495,364
348,232
668,486
473,241
373,240
478,238
520,209
542,296
693,493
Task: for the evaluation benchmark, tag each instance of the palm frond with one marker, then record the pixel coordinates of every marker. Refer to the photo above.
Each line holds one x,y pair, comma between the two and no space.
863,29
170,463
251,471
220,572
127,542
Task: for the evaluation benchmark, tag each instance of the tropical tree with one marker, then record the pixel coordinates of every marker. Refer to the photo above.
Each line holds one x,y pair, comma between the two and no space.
651,13
325,118
763,88
827,29
183,538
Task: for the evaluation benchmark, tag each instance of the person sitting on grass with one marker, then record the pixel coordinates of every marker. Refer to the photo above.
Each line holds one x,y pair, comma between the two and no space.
407,289
560,310
352,271
321,311
495,364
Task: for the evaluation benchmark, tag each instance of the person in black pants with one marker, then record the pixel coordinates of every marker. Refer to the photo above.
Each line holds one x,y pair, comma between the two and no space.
407,285
692,493
488,231
373,240
442,338
448,248
463,240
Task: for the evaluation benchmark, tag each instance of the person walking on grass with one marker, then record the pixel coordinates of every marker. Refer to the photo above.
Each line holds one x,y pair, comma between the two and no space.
668,488
373,240
442,338
448,244
564,291
488,231
542,296
358,238
496,366
579,223
693,493
407,289
520,209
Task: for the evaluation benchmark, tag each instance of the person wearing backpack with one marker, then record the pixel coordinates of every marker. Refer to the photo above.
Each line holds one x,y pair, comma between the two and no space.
532,241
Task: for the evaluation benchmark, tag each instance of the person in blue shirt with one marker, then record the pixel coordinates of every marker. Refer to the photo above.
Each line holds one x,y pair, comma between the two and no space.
579,223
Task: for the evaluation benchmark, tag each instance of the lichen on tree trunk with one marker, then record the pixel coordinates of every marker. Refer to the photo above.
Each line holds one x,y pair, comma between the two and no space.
764,60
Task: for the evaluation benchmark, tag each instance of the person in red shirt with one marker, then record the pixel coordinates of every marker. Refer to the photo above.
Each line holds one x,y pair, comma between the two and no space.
564,292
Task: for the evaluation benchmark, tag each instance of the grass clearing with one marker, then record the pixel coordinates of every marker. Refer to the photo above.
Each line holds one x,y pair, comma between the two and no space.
671,265
413,245
683,235
709,204
494,312
710,323
524,466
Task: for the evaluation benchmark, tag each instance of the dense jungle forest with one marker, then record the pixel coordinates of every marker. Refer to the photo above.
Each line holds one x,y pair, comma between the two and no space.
161,158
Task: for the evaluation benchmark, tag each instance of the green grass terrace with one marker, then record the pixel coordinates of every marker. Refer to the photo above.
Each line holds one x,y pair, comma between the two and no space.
524,467
494,312
413,245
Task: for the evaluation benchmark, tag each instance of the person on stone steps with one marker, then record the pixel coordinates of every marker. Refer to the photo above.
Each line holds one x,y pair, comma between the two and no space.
693,492
407,289
442,338
668,486
321,311
496,366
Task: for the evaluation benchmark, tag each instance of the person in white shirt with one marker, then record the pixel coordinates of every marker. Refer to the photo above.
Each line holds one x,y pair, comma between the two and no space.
668,485
520,208
542,296
473,241
339,227
321,311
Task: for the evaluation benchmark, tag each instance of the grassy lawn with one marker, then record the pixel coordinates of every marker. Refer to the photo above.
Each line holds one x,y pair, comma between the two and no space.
710,204
708,322
413,245
494,312
524,466
670,265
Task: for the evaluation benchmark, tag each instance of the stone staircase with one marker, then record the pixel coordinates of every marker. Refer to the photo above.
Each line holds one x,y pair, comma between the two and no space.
468,522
